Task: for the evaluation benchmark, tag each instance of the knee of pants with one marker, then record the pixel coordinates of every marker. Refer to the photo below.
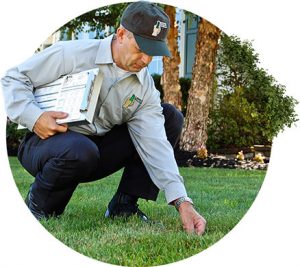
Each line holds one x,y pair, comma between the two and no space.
81,157
173,118
72,157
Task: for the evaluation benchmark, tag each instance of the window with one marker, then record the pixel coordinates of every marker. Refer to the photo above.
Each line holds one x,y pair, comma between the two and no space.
156,66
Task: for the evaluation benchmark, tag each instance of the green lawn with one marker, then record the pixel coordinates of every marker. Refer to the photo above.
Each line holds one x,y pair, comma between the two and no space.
222,196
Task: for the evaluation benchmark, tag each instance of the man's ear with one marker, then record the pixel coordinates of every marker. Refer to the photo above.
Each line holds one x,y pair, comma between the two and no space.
120,34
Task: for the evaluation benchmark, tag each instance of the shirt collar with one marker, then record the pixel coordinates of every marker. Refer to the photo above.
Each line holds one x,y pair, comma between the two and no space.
104,56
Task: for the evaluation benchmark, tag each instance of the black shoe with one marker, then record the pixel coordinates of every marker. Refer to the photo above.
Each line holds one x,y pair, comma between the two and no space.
33,207
123,205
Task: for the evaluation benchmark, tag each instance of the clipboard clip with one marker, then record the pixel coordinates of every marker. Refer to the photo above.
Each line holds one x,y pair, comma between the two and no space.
87,90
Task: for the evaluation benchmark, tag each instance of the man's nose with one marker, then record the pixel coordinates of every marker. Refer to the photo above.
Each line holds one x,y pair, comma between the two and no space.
146,59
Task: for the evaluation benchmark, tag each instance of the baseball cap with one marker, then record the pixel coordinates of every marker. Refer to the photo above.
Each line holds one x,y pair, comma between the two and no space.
149,25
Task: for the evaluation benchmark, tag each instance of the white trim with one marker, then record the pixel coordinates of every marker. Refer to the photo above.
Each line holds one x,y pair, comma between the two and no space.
182,43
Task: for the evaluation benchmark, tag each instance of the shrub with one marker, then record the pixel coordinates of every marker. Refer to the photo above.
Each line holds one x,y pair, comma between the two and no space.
232,122
156,78
250,106
13,137
185,84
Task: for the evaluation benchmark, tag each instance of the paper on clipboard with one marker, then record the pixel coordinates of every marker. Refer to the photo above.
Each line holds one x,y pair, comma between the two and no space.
76,94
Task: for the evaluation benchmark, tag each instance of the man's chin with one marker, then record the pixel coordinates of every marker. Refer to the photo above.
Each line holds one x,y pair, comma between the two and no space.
136,68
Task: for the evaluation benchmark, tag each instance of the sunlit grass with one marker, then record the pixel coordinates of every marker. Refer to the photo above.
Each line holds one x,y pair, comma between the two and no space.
222,196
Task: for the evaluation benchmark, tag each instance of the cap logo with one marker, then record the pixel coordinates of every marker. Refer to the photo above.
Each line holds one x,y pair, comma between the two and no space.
157,27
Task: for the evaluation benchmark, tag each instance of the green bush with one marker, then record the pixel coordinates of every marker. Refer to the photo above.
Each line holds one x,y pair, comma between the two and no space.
185,84
250,106
156,78
233,122
13,137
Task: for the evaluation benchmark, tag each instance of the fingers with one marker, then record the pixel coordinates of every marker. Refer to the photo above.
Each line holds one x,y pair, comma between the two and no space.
61,128
58,114
192,221
46,125
189,228
197,227
200,227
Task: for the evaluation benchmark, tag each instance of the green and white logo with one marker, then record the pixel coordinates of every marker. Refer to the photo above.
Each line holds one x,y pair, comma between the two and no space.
133,102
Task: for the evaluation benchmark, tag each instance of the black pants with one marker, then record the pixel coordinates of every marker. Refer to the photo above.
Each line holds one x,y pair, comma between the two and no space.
64,160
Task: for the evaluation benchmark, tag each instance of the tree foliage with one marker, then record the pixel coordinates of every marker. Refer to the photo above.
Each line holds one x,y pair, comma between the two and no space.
250,107
95,20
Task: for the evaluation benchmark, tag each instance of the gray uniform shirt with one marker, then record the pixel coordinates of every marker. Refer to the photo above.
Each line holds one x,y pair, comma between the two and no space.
124,97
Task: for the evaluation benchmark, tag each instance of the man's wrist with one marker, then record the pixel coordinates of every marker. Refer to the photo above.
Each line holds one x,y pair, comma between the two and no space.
181,200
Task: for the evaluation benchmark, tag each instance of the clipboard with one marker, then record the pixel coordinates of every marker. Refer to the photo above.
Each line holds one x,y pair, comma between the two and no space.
76,94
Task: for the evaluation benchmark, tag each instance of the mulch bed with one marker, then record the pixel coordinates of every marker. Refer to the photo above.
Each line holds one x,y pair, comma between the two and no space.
190,159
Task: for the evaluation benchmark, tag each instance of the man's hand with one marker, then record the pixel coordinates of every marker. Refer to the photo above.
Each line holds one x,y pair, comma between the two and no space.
46,125
192,221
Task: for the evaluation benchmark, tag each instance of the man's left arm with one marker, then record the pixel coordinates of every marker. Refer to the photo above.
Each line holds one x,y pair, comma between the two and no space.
148,134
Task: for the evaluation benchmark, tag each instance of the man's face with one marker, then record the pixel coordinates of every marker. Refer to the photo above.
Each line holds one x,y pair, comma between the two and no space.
131,57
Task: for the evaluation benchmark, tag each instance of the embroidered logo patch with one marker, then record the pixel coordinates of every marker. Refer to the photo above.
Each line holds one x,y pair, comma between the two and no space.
157,27
132,101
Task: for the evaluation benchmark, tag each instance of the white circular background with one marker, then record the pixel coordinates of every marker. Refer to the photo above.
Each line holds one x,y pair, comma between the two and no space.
269,233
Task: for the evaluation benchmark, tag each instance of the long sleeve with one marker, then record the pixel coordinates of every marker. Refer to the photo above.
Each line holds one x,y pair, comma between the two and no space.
147,131
18,84
62,58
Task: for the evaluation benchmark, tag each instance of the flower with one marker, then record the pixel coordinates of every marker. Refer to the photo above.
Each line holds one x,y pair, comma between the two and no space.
240,155
202,152
259,158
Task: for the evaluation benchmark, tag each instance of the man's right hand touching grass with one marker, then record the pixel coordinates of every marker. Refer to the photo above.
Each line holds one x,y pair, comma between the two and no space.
192,221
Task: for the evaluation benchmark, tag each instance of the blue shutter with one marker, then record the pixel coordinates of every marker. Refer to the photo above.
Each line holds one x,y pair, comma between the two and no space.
191,28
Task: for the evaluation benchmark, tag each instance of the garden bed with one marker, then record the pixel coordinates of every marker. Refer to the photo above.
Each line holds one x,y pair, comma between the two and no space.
190,159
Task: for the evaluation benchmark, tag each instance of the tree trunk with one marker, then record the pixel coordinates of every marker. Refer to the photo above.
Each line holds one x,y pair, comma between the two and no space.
195,129
170,76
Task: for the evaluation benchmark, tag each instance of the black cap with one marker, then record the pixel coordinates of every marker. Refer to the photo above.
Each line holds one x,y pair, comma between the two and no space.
149,25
